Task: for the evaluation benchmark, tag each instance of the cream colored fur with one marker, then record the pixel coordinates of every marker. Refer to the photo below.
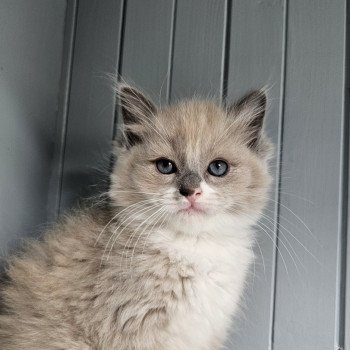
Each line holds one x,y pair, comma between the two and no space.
139,274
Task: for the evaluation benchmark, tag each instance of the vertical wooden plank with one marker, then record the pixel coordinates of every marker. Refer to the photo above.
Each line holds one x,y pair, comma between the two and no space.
198,48
62,113
92,102
147,45
31,42
344,304
256,59
306,296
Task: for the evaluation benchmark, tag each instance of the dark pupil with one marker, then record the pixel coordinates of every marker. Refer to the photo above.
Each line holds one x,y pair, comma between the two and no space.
165,166
217,168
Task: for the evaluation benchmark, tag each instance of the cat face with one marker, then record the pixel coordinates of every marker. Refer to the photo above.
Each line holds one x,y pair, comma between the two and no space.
191,160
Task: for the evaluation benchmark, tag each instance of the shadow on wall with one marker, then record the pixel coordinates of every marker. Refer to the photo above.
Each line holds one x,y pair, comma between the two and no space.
26,152
30,66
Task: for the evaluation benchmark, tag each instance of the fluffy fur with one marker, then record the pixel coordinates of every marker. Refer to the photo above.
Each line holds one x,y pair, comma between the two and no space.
146,272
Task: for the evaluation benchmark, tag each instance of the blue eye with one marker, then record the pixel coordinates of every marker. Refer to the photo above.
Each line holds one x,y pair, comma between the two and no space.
166,166
218,168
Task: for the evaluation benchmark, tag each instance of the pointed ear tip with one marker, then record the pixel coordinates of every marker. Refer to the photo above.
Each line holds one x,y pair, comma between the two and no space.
125,92
124,87
260,97
261,93
265,90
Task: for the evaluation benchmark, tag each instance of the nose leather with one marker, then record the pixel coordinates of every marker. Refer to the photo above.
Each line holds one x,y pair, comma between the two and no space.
188,183
186,191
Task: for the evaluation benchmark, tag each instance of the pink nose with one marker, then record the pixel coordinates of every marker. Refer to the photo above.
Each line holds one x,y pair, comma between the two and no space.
194,196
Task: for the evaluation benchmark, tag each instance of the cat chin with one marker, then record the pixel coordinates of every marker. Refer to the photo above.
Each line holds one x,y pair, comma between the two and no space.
190,212
217,224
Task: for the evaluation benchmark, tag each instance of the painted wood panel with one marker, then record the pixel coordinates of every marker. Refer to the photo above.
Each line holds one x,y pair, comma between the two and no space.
174,49
91,107
344,249
222,49
310,204
198,56
54,194
31,42
256,60
147,46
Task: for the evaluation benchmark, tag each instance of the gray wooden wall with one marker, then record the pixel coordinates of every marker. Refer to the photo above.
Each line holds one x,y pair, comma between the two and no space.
57,119
31,44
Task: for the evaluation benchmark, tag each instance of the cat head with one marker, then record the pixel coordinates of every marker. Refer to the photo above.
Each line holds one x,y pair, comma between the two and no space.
191,161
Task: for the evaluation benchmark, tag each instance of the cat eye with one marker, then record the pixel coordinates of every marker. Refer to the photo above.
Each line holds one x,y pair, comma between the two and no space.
218,168
165,166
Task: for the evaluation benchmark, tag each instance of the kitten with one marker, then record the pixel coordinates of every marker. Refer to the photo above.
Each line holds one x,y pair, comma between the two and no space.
163,266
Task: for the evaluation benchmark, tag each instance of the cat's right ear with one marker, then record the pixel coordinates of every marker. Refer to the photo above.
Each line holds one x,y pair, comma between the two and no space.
137,113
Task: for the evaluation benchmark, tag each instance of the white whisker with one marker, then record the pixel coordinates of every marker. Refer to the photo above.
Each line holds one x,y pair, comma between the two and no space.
160,212
118,214
128,220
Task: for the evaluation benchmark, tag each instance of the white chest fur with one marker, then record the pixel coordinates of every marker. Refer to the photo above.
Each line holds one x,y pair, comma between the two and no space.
216,271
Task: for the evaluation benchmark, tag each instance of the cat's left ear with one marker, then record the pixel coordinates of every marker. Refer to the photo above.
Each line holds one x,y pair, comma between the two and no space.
137,113
249,113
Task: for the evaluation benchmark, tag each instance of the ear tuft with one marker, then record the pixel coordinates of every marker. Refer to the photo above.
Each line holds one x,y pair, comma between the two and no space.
135,105
253,103
137,112
250,110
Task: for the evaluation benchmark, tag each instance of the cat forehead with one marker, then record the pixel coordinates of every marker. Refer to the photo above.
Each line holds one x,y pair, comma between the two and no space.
193,112
193,122
193,150
193,131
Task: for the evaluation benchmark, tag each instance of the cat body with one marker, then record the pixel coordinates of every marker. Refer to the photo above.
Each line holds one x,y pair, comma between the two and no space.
163,266
191,290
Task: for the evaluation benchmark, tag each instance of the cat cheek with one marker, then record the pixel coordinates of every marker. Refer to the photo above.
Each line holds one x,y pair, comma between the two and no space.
207,189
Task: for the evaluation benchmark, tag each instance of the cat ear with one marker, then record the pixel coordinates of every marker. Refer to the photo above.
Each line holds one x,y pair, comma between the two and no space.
137,112
249,113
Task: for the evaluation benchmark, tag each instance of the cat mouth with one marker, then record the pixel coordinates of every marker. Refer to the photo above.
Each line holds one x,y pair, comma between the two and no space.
191,210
